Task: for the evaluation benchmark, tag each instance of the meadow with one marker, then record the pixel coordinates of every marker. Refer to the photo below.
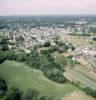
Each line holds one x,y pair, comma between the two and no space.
23,77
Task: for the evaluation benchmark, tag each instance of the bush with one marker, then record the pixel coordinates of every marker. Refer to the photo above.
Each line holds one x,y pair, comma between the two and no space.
5,47
91,92
14,94
47,44
3,87
55,75
94,38
48,51
2,57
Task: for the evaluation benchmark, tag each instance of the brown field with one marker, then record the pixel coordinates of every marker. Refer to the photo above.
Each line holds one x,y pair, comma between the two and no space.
77,96
79,40
83,75
86,72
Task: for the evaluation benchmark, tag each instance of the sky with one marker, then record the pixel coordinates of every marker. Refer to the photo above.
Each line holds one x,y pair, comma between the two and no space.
46,7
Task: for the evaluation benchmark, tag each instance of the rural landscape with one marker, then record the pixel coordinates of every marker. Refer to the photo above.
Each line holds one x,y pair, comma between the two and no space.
47,49
48,58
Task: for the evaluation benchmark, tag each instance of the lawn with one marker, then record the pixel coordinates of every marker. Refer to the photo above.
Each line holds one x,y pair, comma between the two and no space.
21,76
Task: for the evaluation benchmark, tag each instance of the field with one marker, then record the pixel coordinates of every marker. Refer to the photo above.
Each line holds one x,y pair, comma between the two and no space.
24,77
83,75
79,40
59,58
77,96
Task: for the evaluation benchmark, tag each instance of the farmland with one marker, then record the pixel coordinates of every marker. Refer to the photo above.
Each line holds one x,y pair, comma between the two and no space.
80,95
85,77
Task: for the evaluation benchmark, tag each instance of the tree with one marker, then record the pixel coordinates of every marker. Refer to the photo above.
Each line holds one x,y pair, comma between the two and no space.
3,87
91,92
94,38
47,44
2,57
14,94
5,47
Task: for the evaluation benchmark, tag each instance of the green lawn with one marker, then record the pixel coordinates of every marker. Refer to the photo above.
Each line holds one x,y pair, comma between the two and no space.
21,76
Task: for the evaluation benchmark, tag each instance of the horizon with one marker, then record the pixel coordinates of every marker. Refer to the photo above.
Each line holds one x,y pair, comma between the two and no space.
47,7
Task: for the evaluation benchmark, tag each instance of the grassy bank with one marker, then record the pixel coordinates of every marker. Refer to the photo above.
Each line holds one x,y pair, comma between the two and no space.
24,77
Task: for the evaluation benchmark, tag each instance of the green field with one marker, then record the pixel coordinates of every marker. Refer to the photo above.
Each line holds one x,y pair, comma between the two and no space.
21,76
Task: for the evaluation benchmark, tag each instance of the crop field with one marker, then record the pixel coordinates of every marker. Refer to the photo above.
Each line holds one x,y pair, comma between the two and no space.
84,77
86,72
21,76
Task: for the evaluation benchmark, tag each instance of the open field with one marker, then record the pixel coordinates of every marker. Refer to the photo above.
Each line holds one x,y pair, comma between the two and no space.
59,58
24,77
78,96
86,72
79,40
80,74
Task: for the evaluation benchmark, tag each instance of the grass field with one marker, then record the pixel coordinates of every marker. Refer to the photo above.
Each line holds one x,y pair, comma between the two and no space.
59,58
24,77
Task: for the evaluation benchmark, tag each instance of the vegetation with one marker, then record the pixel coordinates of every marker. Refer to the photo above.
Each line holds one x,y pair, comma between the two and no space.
23,77
94,38
90,91
3,87
4,44
17,94
92,29
82,34
32,94
43,62
48,51
47,44
22,81
51,68
13,94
